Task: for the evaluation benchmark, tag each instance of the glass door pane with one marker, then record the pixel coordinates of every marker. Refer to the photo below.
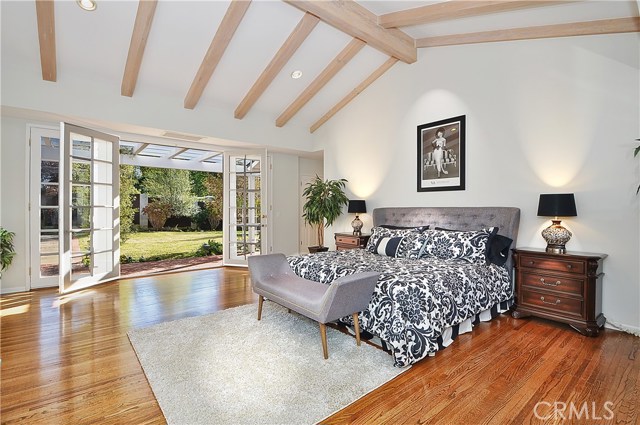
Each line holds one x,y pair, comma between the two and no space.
244,233
90,240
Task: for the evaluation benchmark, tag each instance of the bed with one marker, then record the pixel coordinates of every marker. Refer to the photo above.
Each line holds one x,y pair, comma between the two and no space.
433,283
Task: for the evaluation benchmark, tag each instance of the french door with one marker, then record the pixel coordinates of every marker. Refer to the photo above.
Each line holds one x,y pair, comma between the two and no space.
89,220
245,206
44,207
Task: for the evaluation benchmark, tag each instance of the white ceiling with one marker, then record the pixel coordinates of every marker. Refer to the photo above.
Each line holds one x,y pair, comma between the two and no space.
96,44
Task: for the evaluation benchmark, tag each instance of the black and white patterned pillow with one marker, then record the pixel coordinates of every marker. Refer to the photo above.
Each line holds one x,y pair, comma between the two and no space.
470,246
413,245
381,232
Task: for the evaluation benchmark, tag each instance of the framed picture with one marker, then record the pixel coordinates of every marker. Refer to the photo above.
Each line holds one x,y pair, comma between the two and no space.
441,155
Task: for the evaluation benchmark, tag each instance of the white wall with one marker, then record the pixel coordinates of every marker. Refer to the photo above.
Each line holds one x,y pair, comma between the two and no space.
284,196
557,115
13,194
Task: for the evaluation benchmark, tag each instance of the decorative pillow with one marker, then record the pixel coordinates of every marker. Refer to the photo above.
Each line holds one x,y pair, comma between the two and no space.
392,227
388,246
498,250
412,245
381,232
469,246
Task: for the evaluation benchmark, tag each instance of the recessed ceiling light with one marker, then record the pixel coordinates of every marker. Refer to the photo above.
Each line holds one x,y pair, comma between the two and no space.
87,4
296,74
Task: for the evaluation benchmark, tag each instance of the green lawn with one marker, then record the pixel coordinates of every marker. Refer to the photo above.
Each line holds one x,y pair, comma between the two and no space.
166,245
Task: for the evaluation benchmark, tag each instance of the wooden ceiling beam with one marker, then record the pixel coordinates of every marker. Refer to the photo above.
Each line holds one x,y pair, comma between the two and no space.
47,38
358,22
605,26
290,46
450,10
355,92
325,76
219,44
139,36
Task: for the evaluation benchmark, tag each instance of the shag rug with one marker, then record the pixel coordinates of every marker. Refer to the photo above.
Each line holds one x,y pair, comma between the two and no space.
230,368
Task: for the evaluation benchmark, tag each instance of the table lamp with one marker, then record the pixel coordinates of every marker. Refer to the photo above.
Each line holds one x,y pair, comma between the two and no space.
357,207
556,205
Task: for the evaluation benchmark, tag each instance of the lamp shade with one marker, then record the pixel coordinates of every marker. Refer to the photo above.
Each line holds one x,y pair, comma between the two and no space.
557,205
357,207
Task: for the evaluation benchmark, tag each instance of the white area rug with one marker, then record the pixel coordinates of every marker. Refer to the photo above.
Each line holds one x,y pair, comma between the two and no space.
230,368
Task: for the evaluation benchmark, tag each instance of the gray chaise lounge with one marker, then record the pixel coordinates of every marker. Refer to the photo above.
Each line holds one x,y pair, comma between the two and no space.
272,278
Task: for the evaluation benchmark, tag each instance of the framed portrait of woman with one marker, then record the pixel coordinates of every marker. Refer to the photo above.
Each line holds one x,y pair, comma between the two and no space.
441,155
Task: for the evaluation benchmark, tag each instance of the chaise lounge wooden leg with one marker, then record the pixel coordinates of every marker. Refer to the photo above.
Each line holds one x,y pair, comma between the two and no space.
260,301
356,325
323,336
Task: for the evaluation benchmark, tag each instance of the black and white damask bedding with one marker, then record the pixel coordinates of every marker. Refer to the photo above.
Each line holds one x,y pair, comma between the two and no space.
418,296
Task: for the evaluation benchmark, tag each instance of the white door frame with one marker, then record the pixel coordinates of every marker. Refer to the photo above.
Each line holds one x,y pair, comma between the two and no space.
34,134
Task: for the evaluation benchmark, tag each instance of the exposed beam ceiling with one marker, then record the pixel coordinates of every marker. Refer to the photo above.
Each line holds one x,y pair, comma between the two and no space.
605,26
266,27
290,46
355,92
353,19
47,38
219,44
450,10
325,76
141,28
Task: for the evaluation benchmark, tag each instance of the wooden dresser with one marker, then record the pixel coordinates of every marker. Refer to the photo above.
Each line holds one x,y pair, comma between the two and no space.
351,241
562,287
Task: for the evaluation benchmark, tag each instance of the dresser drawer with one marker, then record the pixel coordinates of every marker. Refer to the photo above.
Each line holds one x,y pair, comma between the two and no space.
555,283
552,264
346,240
555,303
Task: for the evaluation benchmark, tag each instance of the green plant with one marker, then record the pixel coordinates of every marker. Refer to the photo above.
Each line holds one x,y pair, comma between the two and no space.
324,202
127,192
211,247
7,251
171,187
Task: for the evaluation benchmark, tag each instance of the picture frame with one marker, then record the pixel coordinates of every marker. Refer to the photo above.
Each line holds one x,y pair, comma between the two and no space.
441,155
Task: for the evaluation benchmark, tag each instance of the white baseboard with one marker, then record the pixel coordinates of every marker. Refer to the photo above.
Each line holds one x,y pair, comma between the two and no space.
633,330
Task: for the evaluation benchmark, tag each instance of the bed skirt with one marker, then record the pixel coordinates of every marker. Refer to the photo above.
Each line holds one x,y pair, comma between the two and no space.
450,333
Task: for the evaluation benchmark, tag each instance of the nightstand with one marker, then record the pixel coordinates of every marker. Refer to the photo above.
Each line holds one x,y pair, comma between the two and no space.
562,287
351,241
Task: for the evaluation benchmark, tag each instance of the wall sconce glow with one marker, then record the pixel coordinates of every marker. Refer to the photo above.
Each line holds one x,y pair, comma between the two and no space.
89,5
296,74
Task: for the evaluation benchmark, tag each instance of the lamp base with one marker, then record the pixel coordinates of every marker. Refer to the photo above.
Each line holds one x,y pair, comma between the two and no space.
357,226
556,249
556,237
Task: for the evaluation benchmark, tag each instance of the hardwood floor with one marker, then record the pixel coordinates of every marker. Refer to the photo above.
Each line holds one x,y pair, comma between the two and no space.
67,360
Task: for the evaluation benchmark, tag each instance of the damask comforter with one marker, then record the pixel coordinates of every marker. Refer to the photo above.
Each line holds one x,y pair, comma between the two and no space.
415,300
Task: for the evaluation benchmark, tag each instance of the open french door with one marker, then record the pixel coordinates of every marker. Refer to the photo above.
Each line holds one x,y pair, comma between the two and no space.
89,220
245,206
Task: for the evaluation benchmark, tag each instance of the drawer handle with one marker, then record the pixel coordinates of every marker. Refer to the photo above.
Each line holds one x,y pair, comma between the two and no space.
557,282
569,266
531,262
547,302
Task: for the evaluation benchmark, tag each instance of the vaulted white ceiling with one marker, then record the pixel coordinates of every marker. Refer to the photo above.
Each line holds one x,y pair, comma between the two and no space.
96,44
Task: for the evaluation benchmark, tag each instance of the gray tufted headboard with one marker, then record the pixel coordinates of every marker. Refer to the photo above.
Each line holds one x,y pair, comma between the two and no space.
455,218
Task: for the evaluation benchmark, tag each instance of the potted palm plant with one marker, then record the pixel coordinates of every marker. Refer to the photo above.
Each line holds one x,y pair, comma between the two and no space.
7,250
323,205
